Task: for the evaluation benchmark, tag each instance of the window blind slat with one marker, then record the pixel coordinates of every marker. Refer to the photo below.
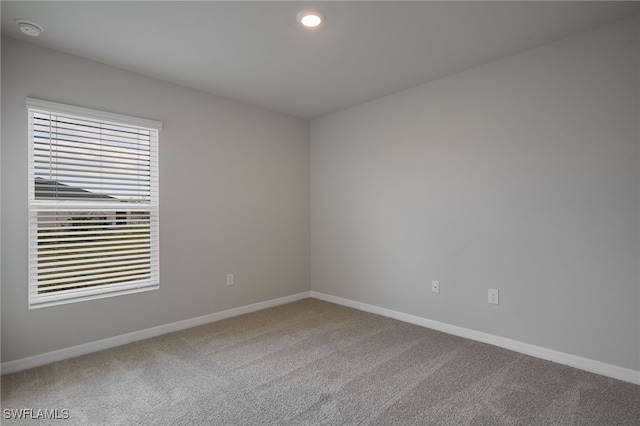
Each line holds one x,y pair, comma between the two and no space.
100,281
80,206
93,179
73,294
56,146
45,268
59,130
74,277
54,225
62,150
110,168
62,257
80,245
90,230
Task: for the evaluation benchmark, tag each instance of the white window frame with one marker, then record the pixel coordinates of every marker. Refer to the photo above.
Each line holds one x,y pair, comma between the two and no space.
42,207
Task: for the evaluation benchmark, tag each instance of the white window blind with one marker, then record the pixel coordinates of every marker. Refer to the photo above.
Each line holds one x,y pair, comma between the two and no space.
93,204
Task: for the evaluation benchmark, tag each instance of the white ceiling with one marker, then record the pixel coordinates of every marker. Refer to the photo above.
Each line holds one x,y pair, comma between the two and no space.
256,52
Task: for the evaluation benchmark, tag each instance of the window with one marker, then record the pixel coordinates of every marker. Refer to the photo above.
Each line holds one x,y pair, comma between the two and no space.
93,204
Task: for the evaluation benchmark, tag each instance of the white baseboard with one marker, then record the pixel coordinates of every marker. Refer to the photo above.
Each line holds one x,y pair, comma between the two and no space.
111,342
592,366
586,364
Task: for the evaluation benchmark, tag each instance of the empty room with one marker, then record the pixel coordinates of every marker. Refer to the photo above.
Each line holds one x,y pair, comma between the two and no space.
305,213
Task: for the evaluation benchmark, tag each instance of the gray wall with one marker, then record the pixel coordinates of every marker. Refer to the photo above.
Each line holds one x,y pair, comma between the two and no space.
234,197
521,175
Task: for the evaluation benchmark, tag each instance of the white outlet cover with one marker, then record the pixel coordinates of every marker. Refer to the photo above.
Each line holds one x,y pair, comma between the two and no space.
494,296
435,286
231,279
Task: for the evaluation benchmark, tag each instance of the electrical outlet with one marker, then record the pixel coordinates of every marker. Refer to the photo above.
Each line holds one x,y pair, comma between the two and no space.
231,279
494,296
435,286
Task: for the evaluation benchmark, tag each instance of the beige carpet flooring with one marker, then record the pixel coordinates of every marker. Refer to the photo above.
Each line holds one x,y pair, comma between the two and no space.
316,363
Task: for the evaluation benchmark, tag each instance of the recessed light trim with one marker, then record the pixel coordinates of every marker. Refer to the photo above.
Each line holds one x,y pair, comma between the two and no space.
29,28
310,18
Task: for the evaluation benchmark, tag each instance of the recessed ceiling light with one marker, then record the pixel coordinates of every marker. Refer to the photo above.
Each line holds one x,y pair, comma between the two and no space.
310,18
29,28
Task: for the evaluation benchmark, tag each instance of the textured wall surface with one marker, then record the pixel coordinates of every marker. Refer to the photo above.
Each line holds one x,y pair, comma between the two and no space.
234,197
520,175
